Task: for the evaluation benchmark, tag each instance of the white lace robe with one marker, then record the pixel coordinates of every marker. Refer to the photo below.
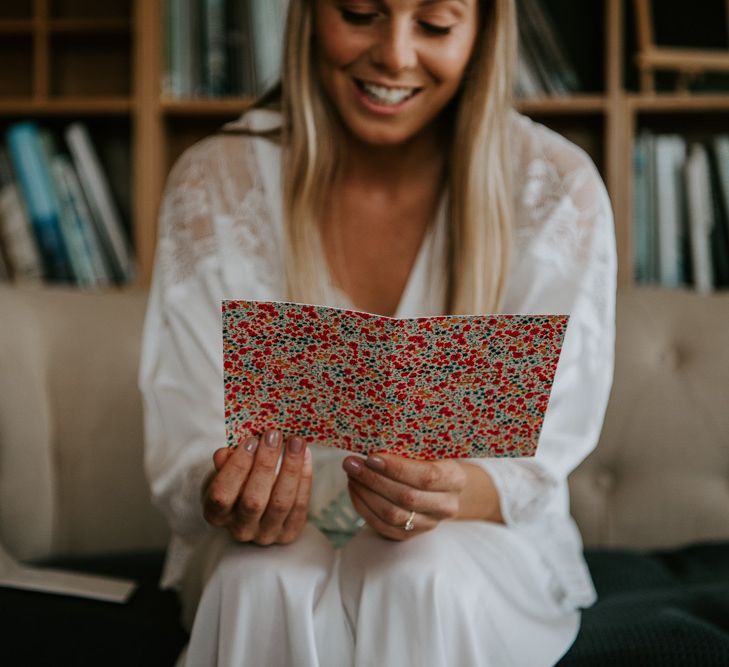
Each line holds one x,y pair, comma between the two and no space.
220,237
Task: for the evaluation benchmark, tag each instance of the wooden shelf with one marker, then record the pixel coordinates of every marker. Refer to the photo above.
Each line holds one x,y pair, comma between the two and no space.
679,103
204,107
63,107
569,104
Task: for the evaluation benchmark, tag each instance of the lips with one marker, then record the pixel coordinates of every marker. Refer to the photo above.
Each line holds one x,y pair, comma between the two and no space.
386,95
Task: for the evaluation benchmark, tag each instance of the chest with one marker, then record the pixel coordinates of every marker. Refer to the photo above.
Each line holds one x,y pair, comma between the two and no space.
371,248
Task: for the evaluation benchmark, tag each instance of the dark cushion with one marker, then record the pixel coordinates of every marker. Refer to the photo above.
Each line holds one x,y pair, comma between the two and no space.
665,608
44,629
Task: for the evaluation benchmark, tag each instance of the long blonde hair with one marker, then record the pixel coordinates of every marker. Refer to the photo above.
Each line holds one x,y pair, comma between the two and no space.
479,167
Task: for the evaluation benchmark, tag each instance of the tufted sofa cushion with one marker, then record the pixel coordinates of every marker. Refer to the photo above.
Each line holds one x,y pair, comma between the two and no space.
660,475
71,475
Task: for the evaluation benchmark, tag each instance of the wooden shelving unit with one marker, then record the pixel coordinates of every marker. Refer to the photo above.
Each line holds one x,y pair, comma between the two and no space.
62,60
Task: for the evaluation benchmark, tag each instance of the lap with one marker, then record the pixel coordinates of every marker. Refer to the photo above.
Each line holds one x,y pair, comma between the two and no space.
480,583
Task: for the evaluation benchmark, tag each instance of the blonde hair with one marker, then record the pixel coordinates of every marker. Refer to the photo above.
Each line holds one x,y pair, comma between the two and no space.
479,168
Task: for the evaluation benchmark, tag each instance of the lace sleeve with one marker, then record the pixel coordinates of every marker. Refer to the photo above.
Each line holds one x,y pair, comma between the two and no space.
564,262
211,216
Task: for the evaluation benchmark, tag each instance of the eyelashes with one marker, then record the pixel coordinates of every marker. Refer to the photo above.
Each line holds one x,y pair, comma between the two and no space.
367,18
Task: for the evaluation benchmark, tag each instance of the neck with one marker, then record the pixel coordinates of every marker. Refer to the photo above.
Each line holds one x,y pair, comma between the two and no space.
388,167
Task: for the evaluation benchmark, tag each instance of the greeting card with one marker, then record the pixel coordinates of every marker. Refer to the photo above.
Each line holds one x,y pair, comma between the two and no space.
455,386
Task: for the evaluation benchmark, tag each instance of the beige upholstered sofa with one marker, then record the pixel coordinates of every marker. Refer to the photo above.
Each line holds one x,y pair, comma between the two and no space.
71,474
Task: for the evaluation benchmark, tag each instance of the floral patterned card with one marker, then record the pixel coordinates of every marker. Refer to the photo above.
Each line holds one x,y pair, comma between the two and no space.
455,386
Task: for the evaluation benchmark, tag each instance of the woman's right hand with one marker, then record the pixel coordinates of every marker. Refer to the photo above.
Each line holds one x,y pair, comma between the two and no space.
245,496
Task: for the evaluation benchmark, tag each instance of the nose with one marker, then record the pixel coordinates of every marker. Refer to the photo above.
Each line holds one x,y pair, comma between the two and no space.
395,49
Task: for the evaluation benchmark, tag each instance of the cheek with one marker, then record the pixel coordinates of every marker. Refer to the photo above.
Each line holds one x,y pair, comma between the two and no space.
448,63
449,66
335,47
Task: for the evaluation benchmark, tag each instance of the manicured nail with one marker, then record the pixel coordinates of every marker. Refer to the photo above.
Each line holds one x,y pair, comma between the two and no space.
296,445
250,444
375,462
352,465
271,438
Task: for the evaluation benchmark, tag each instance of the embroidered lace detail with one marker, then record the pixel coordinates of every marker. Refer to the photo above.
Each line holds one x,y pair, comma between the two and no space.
559,195
217,178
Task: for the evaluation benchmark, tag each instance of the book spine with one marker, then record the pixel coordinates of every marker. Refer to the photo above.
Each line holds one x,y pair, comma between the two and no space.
641,211
700,217
92,244
34,177
266,23
215,56
23,259
80,267
98,194
670,159
83,267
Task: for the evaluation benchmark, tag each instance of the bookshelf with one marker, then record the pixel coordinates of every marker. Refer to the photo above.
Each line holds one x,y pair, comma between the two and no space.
62,60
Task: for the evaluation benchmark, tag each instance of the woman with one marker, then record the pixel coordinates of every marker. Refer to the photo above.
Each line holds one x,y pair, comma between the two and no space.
390,175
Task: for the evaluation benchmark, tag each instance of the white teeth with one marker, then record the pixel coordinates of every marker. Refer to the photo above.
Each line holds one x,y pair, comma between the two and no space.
385,95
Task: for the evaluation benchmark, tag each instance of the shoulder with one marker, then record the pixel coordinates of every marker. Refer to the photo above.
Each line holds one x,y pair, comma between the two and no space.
214,158
558,190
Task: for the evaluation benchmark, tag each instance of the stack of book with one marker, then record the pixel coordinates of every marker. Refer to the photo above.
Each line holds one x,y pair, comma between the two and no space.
681,211
544,68
58,220
218,48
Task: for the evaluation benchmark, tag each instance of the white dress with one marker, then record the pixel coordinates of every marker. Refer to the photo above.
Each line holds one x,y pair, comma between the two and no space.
467,593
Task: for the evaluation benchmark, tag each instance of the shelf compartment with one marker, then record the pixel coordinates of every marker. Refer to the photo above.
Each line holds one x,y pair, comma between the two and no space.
16,66
89,26
95,66
16,9
91,9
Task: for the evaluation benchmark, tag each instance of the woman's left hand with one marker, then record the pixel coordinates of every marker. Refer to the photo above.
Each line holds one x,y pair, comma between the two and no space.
386,489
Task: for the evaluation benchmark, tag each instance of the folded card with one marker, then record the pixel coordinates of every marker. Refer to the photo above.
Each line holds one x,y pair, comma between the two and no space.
455,386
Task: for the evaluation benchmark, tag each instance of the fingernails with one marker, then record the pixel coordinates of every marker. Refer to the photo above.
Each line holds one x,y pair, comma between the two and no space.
250,444
375,462
272,438
296,445
352,465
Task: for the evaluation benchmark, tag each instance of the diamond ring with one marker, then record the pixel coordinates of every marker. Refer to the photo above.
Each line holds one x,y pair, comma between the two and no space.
409,524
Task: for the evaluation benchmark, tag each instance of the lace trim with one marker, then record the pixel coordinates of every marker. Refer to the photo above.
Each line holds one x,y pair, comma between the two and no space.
216,179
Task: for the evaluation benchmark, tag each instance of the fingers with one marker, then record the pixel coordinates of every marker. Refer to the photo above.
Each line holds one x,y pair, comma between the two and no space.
361,500
296,519
424,475
222,492
388,512
283,495
441,505
257,490
221,456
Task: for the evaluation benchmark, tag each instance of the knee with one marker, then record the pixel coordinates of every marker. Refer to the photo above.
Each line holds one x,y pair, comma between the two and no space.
415,572
254,566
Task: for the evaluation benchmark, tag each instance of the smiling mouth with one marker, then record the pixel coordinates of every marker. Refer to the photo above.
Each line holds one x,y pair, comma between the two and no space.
386,95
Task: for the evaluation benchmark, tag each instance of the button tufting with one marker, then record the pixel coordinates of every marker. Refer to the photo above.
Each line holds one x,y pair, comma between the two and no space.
672,358
605,479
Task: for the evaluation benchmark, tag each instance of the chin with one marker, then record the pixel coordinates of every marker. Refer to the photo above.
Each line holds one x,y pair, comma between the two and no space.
380,135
